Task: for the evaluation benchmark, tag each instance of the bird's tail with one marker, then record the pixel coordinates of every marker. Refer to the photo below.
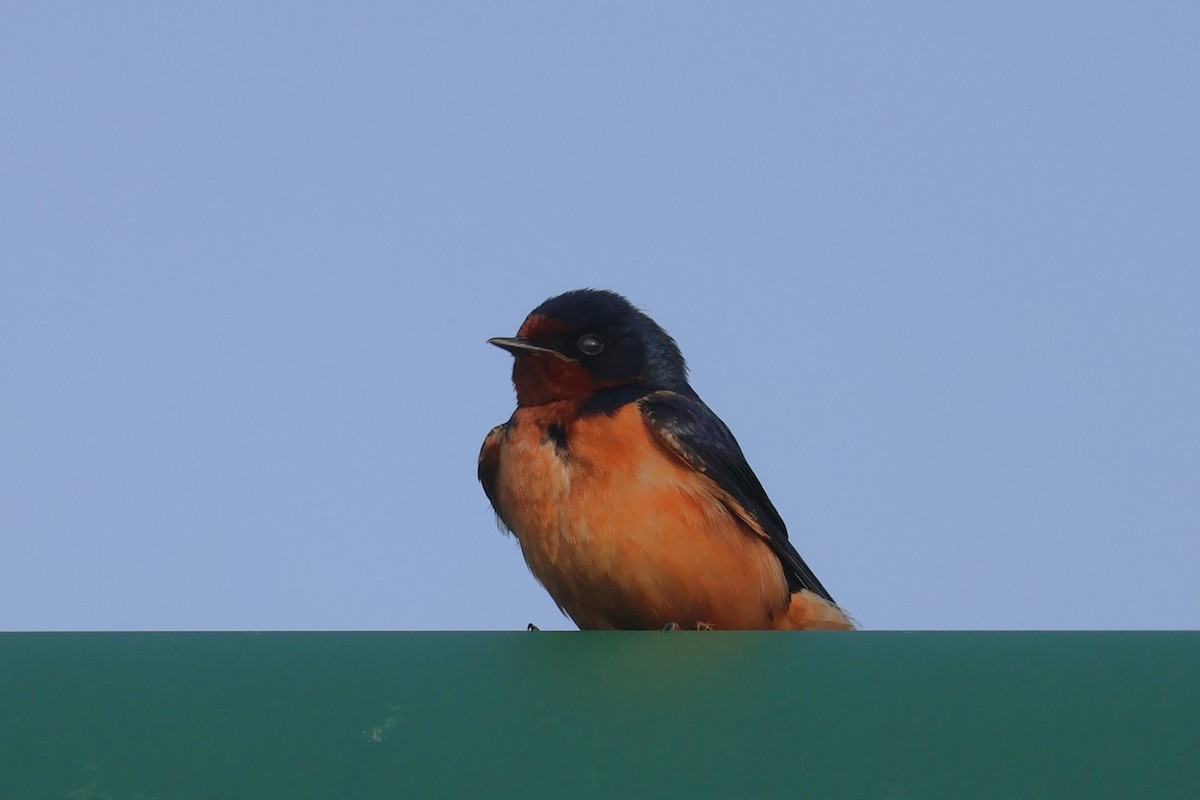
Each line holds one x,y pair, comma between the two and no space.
808,611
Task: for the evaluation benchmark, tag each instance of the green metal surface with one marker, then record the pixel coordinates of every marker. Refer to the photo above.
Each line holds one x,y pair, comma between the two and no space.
603,715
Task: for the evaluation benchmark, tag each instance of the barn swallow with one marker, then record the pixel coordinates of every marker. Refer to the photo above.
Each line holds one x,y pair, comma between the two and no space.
631,500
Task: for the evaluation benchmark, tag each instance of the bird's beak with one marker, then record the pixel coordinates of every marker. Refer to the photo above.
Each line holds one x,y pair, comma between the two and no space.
519,347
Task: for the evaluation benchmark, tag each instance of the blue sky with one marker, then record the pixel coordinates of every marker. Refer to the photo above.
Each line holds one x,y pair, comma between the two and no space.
936,265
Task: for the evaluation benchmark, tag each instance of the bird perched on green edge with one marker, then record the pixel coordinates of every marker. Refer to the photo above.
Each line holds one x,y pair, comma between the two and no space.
632,501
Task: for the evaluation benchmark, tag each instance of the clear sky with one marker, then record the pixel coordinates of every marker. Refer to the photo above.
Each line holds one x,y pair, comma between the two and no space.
936,265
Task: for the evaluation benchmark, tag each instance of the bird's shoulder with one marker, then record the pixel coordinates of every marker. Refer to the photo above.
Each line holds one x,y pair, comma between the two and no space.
686,426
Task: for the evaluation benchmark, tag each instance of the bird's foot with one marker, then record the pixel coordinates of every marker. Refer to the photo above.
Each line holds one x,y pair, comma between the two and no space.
532,627
703,626
670,626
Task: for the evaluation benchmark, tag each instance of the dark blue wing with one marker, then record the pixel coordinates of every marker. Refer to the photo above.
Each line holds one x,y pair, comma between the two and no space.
689,428
489,468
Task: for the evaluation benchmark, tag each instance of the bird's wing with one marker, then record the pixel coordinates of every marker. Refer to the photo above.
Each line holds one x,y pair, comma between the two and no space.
689,429
489,468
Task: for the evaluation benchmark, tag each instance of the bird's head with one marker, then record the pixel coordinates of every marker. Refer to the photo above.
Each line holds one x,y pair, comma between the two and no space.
588,340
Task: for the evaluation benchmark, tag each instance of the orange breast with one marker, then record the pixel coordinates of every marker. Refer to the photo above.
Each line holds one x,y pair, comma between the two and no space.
625,535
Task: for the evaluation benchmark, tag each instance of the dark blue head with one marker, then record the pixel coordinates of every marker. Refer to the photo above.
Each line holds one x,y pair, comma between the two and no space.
586,340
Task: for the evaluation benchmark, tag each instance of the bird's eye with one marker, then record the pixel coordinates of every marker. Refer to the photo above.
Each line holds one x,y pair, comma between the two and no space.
590,344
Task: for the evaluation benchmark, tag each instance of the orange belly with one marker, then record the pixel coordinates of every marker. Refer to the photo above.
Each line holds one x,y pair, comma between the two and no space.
621,532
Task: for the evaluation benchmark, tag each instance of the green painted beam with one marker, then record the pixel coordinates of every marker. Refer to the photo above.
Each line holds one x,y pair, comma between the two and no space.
603,715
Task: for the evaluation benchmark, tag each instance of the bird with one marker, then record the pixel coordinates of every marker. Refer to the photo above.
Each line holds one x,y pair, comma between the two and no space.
631,500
